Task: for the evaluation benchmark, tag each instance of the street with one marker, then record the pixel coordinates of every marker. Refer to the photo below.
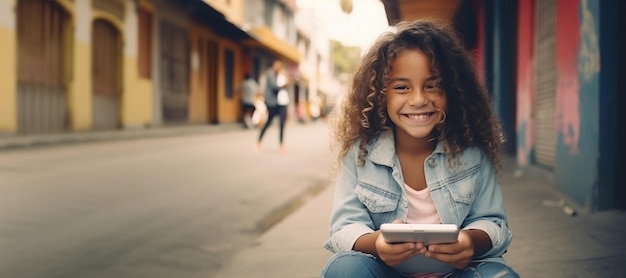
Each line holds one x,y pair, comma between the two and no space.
161,207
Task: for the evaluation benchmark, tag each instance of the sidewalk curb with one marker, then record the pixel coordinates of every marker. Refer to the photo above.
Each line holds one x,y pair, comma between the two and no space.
293,248
8,142
280,213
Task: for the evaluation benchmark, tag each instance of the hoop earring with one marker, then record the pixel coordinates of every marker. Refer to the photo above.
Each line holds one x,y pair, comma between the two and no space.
443,119
441,134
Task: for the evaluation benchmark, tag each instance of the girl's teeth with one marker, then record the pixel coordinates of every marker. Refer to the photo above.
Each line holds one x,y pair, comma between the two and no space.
418,116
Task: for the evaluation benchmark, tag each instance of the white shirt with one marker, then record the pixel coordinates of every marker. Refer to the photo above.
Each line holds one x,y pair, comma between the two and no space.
421,207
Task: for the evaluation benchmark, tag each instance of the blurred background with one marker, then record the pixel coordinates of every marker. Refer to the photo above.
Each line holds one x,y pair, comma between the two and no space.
555,70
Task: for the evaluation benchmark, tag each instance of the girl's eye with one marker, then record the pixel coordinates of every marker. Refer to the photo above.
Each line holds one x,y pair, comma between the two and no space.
432,86
434,89
401,87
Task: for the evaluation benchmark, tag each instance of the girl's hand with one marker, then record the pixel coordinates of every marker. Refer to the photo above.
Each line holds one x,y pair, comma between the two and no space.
395,253
458,254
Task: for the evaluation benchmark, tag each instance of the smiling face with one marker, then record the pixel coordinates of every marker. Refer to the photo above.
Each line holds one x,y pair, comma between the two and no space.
415,100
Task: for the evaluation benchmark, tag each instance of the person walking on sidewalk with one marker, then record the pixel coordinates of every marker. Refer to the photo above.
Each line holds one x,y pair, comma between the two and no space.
418,143
249,93
275,82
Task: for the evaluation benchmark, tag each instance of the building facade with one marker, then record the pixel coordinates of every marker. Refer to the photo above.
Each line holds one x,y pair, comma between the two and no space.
85,65
71,65
314,68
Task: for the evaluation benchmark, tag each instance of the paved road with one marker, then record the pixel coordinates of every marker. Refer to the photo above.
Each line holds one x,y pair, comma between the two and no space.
160,207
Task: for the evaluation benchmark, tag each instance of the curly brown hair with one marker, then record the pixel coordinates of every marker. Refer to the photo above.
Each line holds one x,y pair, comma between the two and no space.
470,120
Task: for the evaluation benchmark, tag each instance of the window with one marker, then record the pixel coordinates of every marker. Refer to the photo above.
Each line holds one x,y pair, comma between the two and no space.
145,44
229,67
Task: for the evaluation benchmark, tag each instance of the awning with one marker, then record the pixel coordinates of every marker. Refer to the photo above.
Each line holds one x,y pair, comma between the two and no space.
204,13
266,38
259,36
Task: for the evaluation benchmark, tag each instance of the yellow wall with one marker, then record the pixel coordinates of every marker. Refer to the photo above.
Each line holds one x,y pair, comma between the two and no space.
136,96
140,96
8,88
198,95
79,86
79,95
136,100
143,98
229,109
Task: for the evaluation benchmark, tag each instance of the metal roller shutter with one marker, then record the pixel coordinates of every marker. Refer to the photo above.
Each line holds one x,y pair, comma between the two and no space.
545,85
42,39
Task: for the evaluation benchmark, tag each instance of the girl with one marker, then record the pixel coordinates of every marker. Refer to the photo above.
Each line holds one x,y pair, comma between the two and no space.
418,143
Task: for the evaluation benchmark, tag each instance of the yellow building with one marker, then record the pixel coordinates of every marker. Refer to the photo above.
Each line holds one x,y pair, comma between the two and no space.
82,65
73,66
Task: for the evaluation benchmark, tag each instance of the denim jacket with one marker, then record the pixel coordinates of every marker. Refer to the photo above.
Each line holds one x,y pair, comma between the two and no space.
464,189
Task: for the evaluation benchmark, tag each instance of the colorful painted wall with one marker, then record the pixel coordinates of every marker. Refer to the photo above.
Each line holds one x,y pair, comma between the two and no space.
525,83
577,99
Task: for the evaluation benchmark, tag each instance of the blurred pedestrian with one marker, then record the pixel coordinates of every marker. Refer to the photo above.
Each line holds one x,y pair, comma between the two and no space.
276,83
249,92
419,144
260,112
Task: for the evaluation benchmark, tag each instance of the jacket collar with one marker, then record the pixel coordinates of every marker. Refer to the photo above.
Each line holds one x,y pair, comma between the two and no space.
383,149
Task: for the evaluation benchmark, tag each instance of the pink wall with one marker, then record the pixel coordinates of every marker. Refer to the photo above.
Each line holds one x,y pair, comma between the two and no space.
568,86
525,82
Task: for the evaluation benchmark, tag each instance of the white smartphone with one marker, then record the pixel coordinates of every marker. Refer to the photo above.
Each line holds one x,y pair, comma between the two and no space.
426,233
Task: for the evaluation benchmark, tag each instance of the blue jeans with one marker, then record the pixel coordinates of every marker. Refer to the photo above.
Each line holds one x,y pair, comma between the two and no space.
357,264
